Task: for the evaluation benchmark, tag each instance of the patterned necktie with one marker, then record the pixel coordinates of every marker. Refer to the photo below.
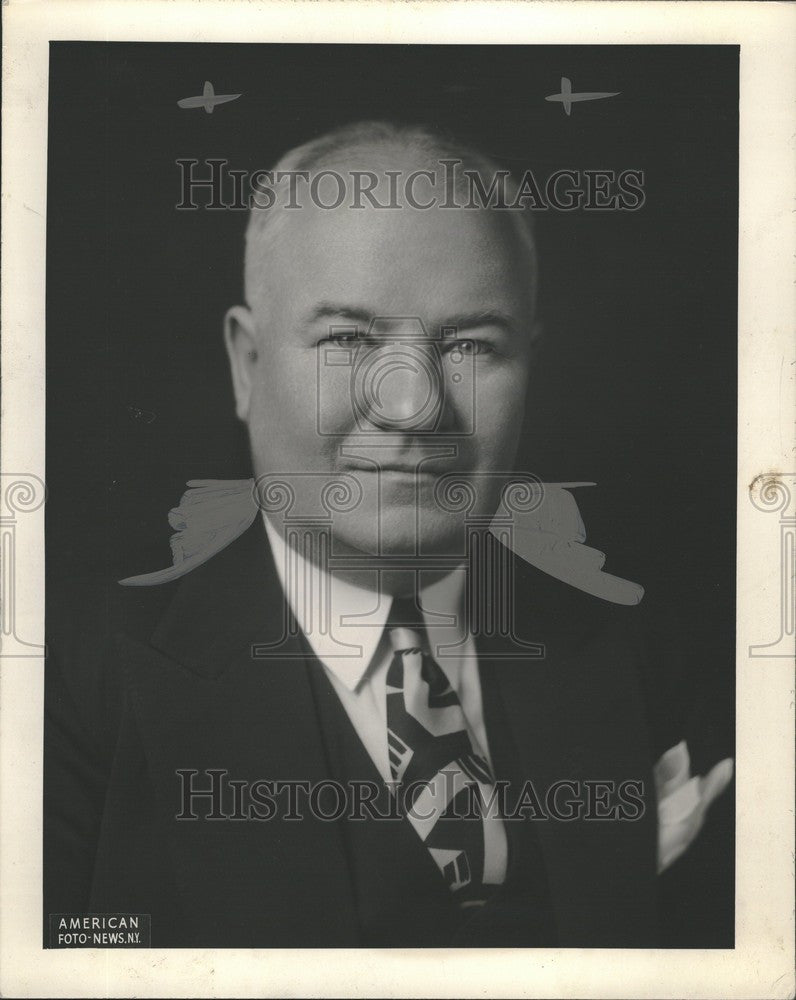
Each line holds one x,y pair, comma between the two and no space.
437,762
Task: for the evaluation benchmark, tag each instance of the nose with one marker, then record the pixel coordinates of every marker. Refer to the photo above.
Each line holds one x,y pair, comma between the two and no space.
401,388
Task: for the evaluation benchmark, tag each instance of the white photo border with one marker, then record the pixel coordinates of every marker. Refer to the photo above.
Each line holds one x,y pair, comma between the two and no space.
761,964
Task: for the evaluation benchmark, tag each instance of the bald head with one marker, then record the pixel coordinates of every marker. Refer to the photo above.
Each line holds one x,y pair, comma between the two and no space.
385,168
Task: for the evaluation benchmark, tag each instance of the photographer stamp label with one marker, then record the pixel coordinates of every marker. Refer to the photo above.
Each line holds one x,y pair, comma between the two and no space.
100,930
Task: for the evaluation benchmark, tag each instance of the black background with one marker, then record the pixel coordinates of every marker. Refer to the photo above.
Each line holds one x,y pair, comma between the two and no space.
636,390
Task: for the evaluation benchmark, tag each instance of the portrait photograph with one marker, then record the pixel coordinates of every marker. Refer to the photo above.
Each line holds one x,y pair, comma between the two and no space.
419,377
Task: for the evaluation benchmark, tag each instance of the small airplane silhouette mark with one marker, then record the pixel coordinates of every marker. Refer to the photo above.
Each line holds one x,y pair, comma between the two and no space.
567,98
208,100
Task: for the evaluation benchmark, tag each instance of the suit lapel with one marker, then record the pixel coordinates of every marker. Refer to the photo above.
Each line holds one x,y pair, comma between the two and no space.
577,715
203,704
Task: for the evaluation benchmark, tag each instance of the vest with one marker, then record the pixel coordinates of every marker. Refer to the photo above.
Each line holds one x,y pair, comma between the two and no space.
401,898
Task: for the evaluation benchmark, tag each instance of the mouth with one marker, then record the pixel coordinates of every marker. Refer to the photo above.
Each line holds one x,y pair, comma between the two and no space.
400,459
418,469
407,475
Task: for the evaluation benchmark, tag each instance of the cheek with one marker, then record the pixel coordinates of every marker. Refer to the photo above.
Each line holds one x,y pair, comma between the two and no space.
500,406
283,420
283,387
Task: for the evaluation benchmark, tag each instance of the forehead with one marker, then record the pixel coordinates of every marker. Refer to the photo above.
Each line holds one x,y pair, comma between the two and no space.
401,262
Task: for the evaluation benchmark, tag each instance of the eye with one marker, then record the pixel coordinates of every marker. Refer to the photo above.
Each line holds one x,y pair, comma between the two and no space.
341,339
472,348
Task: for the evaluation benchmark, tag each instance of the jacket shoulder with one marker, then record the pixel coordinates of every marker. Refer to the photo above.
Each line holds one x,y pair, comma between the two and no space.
569,620
83,675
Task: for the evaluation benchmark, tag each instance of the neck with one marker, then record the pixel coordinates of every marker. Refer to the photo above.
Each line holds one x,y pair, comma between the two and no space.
393,574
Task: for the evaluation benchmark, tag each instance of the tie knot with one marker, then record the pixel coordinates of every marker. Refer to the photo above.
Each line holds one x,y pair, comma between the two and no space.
405,625
405,611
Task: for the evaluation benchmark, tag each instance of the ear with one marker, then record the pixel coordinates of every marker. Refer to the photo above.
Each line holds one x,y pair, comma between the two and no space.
241,343
536,338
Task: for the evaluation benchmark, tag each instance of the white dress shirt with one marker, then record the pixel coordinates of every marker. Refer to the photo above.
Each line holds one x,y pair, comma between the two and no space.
348,637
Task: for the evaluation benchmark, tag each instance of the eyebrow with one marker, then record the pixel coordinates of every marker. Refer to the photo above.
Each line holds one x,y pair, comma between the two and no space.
461,321
331,310
484,317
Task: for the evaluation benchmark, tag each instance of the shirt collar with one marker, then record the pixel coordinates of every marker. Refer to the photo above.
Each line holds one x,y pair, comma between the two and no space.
344,623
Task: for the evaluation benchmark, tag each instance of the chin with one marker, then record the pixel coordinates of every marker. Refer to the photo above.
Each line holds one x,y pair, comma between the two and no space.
403,533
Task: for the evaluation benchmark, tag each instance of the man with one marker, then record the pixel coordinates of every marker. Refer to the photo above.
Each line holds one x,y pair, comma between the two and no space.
370,633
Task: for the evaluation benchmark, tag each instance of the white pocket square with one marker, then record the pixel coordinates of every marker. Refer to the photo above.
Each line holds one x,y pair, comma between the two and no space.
683,800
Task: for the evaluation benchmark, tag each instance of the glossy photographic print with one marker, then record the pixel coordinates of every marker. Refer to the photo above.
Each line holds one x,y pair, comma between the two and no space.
396,559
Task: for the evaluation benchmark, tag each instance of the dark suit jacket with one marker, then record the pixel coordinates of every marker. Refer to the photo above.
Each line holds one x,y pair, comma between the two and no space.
157,680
